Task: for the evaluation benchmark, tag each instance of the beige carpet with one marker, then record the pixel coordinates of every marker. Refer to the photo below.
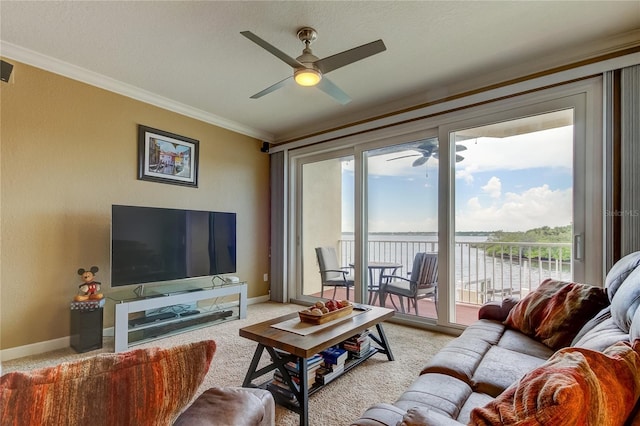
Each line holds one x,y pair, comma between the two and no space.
342,401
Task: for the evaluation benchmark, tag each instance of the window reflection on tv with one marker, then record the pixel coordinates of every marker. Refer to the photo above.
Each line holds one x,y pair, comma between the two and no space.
150,244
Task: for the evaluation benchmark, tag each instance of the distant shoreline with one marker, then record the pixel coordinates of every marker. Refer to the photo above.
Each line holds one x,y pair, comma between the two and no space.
431,234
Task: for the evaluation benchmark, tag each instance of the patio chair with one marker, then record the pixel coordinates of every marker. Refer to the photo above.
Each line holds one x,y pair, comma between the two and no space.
331,274
422,282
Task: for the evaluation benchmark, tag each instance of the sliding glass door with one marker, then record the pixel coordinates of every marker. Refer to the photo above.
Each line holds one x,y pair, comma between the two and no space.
523,185
439,216
513,208
402,224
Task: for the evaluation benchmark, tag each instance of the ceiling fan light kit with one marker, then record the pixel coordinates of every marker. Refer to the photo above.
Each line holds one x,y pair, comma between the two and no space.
309,70
307,76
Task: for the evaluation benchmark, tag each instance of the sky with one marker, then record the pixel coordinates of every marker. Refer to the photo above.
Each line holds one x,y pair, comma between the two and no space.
512,184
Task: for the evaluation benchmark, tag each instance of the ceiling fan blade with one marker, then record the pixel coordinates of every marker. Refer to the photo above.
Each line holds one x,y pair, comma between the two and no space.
404,156
272,49
460,148
273,87
420,161
459,158
334,91
350,56
430,145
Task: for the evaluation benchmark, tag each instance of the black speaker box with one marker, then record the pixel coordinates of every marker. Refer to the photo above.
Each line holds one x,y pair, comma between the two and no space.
5,70
86,329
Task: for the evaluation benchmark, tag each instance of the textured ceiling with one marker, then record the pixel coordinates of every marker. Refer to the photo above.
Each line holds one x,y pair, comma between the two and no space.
192,54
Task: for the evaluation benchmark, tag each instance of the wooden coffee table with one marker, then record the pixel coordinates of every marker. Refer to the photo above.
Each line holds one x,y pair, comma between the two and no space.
284,346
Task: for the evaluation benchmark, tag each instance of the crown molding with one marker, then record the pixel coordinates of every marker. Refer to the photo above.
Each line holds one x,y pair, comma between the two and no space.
47,63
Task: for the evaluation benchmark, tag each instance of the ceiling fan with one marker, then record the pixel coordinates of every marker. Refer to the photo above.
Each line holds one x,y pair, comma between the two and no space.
309,70
428,149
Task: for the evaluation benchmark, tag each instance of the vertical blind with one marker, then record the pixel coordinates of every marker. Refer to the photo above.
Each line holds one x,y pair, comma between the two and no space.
630,159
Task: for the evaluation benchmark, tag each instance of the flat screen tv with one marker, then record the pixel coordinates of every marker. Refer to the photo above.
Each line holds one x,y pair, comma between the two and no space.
150,244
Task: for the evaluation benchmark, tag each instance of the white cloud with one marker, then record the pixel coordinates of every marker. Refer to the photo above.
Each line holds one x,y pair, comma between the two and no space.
535,207
493,187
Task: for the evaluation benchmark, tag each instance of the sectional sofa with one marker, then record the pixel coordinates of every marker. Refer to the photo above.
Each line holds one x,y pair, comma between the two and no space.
565,354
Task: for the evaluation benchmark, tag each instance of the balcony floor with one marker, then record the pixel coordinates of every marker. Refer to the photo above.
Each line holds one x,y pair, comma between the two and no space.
466,313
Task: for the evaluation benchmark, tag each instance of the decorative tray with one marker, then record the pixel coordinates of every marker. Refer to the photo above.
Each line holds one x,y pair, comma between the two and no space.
305,316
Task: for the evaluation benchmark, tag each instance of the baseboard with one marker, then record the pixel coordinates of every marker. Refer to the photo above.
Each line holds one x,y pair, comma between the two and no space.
35,348
64,342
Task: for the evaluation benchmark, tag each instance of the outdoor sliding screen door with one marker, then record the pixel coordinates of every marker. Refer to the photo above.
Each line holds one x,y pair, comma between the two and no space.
325,212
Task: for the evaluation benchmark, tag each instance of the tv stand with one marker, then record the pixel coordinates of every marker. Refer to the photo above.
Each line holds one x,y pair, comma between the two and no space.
134,331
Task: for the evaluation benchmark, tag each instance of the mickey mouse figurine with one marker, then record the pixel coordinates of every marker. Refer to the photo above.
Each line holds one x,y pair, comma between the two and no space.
89,288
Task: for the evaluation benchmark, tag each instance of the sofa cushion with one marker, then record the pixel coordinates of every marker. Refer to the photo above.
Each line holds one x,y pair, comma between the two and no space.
626,300
380,414
460,357
500,368
576,386
620,271
555,311
598,319
439,392
488,330
518,342
421,416
143,386
601,336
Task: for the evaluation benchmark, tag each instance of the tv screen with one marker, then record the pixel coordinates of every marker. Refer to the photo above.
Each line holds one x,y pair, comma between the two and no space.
151,244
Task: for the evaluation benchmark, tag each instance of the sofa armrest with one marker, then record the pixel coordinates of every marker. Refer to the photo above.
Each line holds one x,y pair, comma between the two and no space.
497,311
424,416
380,415
389,415
230,406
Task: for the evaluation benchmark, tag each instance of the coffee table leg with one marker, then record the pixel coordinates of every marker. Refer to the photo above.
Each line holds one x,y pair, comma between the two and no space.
382,341
252,367
303,401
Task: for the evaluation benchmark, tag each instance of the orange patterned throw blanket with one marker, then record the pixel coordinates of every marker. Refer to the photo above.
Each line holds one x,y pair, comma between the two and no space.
140,387
574,387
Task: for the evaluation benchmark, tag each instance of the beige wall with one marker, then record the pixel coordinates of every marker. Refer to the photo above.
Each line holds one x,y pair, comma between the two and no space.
68,152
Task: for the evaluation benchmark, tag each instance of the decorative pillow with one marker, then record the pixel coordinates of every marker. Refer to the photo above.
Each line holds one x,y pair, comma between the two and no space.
139,387
555,311
574,387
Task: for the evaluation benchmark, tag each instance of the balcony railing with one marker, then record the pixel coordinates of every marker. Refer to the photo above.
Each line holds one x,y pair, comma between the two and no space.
484,270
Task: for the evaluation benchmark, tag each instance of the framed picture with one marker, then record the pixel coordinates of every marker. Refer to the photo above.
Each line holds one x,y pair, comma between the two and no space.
166,157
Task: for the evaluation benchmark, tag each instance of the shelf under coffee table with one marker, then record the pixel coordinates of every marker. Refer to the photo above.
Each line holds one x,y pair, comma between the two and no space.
285,346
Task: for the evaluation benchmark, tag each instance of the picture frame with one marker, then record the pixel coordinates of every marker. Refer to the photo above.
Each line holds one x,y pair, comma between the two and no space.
165,157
